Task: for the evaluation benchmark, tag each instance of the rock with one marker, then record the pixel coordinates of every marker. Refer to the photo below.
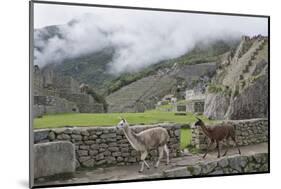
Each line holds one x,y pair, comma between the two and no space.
76,131
216,105
208,167
100,156
93,152
112,144
100,162
85,133
194,170
89,142
76,137
177,132
116,154
82,152
234,163
53,158
110,160
94,147
41,135
52,136
93,137
63,137
243,161
252,102
125,154
88,163
107,153
113,149
68,131
124,150
84,147
84,158
217,172
103,145
177,172
223,162
111,135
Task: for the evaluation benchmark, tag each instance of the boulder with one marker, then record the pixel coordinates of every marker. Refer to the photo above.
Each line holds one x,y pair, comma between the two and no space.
251,102
216,105
53,158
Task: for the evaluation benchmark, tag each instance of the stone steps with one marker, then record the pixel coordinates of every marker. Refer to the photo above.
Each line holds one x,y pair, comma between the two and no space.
253,57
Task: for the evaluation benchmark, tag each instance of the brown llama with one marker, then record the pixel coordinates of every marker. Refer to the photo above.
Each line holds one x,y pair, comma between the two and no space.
218,133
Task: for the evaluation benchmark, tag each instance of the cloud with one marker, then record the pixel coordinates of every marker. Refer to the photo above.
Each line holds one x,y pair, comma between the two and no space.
140,38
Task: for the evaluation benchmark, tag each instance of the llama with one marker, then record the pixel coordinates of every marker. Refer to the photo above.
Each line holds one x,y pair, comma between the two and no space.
218,133
157,137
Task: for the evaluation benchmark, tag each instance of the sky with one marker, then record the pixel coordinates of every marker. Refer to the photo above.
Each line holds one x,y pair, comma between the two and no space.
140,37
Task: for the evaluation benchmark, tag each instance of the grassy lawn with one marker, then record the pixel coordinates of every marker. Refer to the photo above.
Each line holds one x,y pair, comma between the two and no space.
185,137
110,119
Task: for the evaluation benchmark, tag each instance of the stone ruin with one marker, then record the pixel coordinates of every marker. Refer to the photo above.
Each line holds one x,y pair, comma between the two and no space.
195,101
53,93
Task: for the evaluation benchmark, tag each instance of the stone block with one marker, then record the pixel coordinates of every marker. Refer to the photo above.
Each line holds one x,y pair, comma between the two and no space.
53,158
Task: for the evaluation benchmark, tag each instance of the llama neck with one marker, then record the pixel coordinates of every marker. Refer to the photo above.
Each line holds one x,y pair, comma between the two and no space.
131,138
205,130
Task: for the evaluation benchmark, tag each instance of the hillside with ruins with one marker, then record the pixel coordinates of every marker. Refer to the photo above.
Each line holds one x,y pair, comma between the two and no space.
239,89
226,79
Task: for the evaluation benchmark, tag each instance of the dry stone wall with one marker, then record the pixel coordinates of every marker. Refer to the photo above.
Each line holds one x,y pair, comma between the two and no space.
96,146
223,166
250,131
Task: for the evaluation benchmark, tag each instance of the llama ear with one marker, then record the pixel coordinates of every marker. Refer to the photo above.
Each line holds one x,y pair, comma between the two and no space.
122,119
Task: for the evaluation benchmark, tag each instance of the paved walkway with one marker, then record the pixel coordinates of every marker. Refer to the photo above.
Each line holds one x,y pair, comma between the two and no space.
130,172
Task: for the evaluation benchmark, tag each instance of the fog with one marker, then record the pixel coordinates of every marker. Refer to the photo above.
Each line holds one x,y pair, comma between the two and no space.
139,38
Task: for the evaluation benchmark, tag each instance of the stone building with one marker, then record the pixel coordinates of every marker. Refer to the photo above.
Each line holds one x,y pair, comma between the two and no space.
53,93
194,101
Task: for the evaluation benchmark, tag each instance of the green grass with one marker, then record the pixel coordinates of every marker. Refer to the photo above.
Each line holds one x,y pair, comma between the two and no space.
185,137
110,119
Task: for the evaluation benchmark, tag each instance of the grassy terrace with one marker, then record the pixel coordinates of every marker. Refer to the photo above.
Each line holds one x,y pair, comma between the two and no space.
111,119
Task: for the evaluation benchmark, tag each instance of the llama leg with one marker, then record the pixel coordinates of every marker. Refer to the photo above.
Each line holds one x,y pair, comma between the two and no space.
233,138
167,153
210,144
143,156
160,151
218,147
227,147
146,164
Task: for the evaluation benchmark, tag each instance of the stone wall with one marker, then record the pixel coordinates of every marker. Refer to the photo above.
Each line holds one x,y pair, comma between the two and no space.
223,166
52,104
97,146
251,131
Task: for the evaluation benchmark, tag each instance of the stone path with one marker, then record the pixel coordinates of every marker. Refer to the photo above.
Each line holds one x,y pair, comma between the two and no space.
130,172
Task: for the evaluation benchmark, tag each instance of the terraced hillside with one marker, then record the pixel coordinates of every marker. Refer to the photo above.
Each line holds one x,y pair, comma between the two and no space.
240,88
144,93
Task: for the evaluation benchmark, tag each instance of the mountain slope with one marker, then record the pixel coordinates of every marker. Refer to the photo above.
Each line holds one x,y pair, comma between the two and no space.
240,88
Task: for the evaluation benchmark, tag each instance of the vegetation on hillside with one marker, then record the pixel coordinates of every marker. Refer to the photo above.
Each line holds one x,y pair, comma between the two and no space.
92,68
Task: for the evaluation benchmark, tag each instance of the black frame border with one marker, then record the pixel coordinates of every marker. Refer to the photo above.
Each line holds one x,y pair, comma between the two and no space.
31,31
